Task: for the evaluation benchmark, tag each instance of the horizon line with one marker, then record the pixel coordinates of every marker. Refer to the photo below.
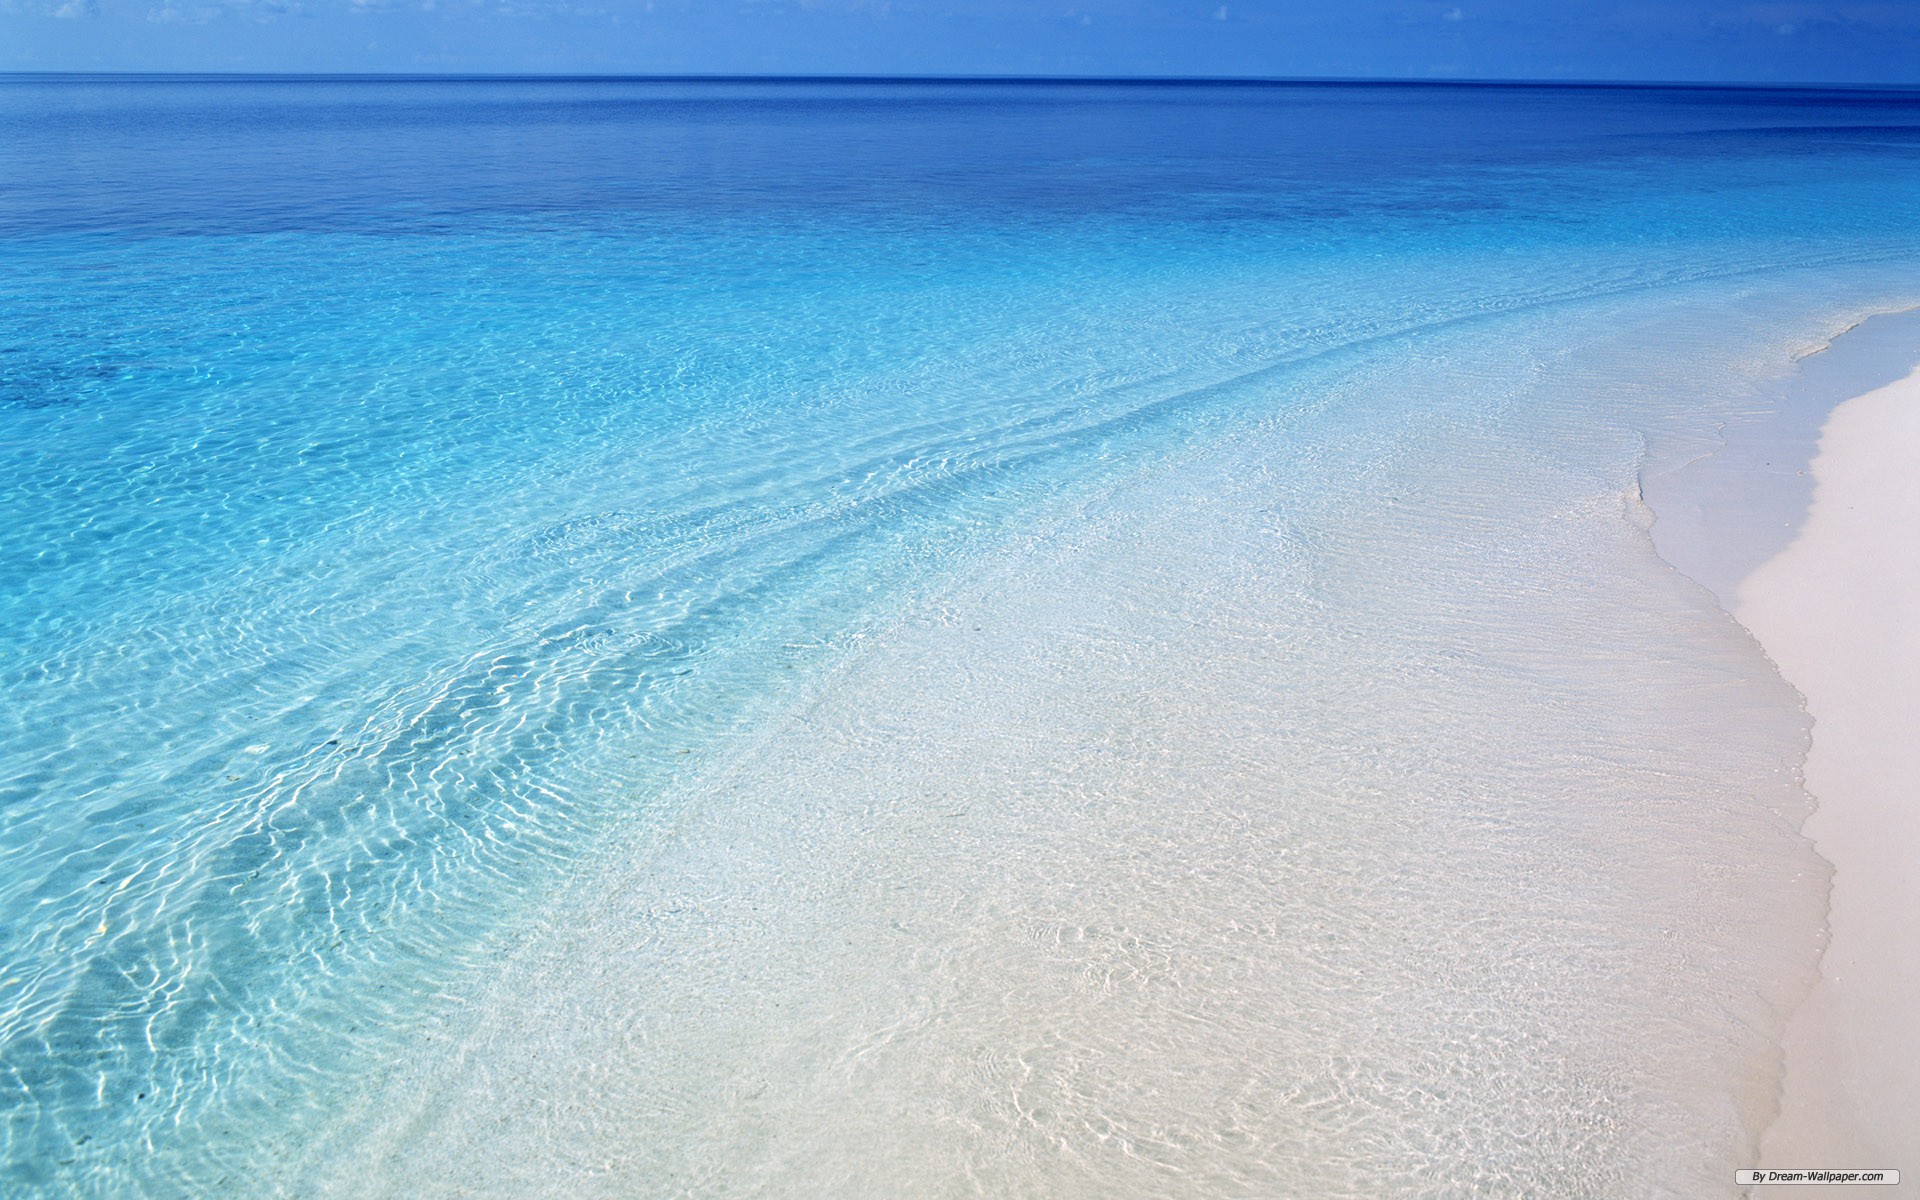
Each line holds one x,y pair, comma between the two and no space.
977,78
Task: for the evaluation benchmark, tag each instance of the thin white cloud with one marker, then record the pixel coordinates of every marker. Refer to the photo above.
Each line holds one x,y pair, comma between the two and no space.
63,10
1787,19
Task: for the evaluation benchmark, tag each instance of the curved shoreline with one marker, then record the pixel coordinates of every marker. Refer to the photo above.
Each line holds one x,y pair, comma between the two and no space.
1793,522
1251,754
1831,612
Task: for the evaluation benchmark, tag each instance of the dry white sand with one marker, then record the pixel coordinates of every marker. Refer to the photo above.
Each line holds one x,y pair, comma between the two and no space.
1839,612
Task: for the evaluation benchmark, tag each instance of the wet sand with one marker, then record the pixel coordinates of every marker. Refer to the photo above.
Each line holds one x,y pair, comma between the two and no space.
1836,611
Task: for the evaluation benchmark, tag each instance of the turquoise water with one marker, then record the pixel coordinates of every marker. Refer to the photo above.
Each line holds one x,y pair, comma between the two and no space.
412,489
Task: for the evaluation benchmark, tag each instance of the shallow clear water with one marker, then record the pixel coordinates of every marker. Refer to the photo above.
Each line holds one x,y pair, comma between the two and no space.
417,494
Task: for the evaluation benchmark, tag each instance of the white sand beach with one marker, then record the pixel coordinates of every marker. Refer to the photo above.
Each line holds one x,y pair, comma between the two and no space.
1836,611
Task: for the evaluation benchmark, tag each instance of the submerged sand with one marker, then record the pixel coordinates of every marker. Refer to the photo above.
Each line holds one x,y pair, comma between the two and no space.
1837,612
1255,829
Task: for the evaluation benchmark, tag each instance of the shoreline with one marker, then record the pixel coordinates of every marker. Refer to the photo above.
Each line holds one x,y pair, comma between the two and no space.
1830,611
1724,511
1199,773
1792,523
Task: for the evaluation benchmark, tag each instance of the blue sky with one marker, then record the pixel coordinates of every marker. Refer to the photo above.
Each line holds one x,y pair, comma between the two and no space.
1718,40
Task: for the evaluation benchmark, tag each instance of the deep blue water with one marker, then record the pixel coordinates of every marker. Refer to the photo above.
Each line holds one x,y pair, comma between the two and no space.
404,485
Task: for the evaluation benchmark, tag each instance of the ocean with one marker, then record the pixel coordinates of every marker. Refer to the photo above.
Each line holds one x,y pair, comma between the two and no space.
751,637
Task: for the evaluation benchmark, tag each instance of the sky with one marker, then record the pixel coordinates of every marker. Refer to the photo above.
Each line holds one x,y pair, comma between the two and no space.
1877,41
